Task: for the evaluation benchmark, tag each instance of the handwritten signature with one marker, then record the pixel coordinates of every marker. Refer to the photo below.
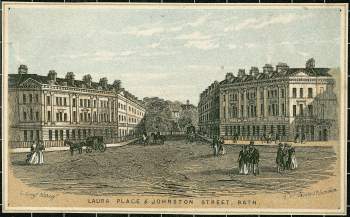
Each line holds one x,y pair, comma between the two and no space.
33,195
309,194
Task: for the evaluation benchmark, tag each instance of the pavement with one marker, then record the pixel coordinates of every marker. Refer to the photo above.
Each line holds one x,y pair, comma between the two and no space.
65,148
330,143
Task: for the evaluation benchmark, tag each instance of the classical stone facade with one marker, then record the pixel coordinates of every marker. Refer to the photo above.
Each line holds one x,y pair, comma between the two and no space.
54,109
284,103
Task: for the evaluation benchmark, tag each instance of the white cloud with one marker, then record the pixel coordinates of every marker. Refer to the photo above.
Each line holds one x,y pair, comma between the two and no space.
127,53
154,45
232,46
259,23
304,54
202,44
141,31
199,21
193,36
250,45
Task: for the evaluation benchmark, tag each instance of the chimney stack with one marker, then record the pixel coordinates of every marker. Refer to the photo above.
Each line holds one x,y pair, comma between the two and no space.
52,76
254,71
241,72
22,69
281,67
310,63
267,68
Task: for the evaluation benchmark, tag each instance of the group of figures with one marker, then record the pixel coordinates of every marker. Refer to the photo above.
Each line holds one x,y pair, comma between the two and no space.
36,155
154,138
248,160
218,146
286,159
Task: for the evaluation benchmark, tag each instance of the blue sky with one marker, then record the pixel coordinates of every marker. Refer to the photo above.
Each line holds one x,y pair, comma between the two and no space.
170,53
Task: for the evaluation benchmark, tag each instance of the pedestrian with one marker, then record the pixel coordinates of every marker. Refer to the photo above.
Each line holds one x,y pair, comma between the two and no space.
255,161
285,156
221,149
32,156
293,160
40,150
250,157
241,160
215,146
279,158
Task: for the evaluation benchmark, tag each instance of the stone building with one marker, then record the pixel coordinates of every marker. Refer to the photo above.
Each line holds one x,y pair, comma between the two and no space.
209,110
54,109
285,103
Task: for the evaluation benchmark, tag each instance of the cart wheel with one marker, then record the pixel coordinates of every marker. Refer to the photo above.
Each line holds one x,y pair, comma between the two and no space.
102,147
88,150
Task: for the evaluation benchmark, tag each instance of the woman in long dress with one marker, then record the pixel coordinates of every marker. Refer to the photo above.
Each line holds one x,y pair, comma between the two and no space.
40,149
293,163
33,157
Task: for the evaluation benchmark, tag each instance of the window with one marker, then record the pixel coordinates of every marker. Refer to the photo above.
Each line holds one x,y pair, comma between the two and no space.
24,116
67,134
57,101
56,134
282,93
64,101
94,103
57,116
301,109
48,100
81,116
24,99
37,134
294,93
50,135
48,115
89,103
283,109
262,110
25,136
74,102
301,92
310,110
81,102
309,92
65,116
61,134
73,134
37,116
31,114
242,110
294,110
85,102
60,100
36,98
30,98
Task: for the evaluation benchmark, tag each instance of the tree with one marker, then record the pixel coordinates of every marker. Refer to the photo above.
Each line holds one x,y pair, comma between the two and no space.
117,84
70,76
87,78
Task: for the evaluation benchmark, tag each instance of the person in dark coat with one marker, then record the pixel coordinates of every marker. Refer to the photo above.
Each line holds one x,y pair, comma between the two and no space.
255,161
279,158
242,161
285,156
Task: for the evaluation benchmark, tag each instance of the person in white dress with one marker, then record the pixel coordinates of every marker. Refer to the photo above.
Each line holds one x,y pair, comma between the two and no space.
40,150
33,157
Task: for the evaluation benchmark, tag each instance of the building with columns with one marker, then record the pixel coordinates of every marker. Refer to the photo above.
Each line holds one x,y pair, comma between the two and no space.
282,102
54,109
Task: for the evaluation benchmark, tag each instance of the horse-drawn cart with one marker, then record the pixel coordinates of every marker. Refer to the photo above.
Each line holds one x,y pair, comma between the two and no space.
91,143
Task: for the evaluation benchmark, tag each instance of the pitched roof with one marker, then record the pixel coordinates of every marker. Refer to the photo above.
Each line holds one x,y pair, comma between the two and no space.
313,72
17,79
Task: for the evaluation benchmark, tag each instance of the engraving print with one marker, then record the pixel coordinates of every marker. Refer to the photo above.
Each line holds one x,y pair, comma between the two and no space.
174,108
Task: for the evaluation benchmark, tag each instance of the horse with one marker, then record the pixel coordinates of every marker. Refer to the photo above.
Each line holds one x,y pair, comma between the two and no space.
74,146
